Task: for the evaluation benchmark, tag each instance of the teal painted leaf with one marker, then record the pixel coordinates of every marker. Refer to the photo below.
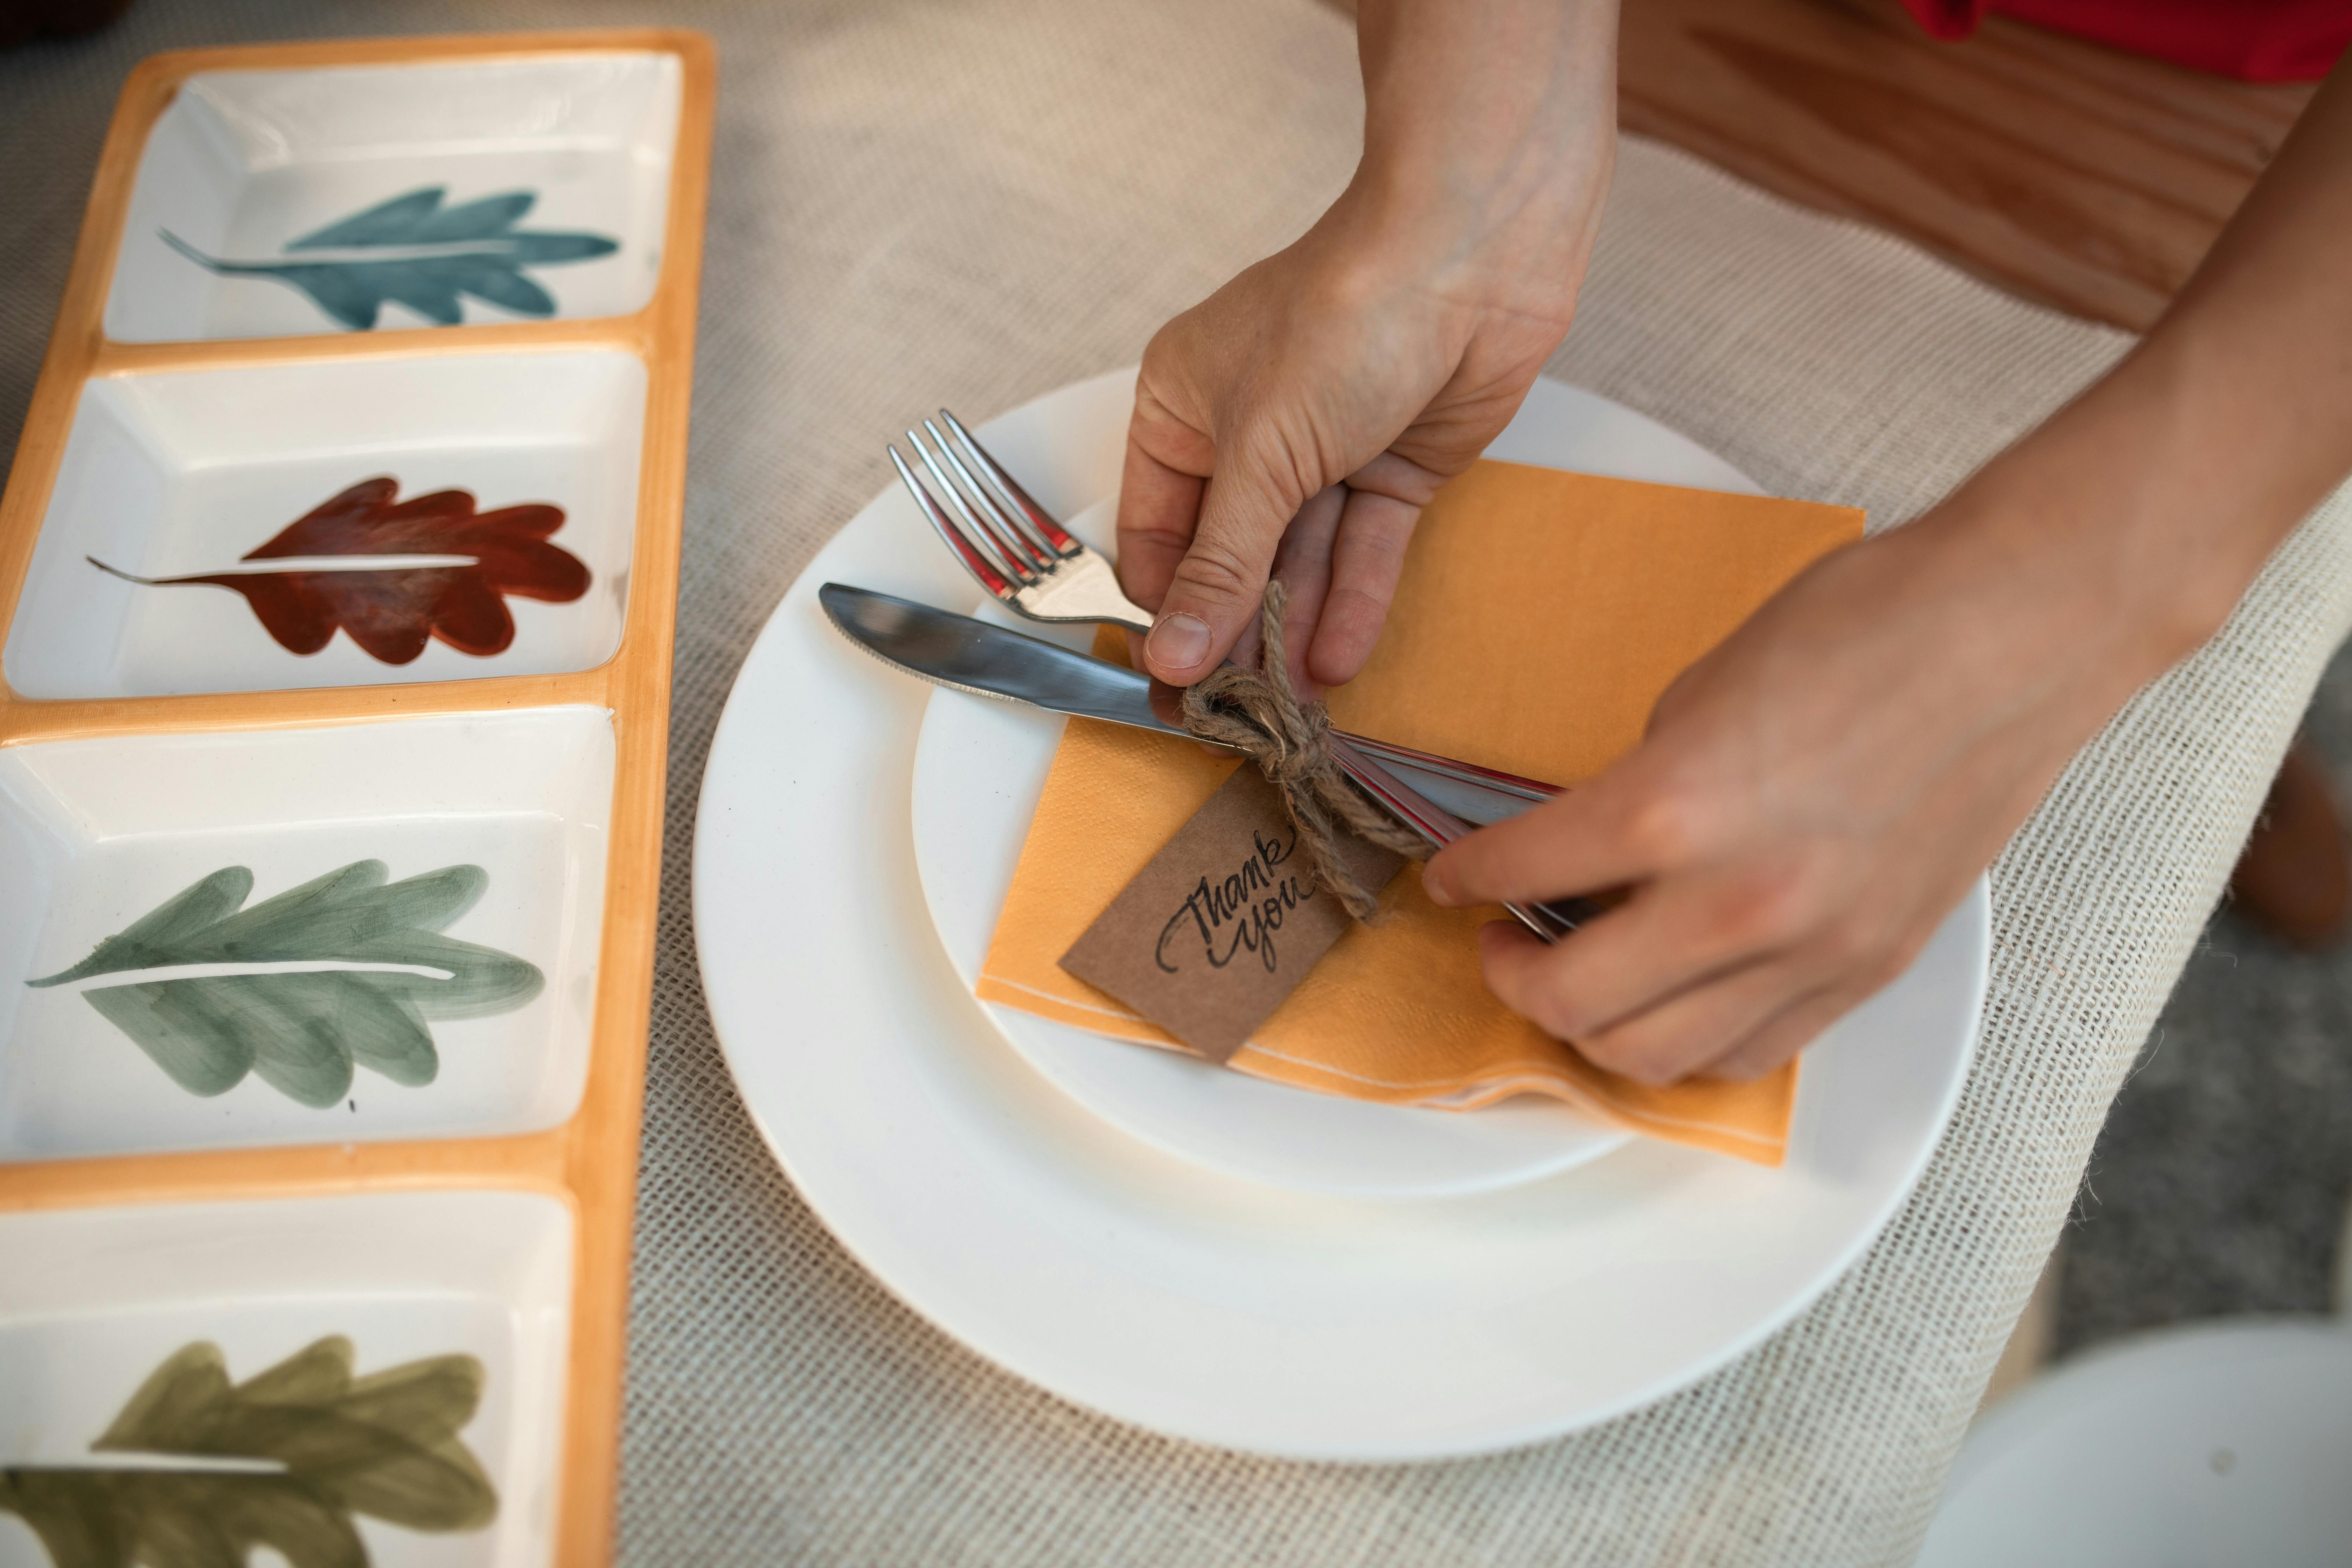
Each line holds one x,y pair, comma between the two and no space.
303,1031
385,1445
416,252
419,218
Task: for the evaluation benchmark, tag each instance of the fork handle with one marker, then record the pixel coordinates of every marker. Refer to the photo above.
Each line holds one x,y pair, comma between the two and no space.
1533,790
1550,921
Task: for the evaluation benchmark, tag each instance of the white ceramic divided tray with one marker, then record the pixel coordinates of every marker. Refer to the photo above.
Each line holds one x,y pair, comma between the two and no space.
338,565
1146,1275
979,768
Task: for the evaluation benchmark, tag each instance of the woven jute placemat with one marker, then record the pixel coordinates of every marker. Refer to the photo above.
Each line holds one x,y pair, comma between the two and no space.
970,205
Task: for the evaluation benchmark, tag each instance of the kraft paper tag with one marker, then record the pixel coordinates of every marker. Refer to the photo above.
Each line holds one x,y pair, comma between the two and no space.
1223,923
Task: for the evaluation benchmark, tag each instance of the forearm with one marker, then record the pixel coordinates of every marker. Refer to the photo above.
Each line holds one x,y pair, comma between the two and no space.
2157,496
1483,120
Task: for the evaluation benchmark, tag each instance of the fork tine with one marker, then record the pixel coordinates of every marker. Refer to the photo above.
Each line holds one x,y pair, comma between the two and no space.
1011,531
1012,562
973,562
1009,512
1005,551
1010,489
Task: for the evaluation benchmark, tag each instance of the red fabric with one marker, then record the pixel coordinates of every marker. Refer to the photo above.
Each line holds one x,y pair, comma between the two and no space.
2258,40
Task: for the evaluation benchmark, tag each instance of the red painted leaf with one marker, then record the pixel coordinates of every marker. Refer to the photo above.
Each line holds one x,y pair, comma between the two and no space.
393,611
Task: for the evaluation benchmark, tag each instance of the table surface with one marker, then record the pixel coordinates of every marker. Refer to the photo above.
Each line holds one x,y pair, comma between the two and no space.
2070,175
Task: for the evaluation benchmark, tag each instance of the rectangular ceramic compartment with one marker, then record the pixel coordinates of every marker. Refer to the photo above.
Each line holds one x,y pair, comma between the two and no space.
93,1300
245,164
95,834
182,473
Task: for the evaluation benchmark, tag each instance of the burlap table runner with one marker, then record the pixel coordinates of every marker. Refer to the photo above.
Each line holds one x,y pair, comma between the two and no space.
919,204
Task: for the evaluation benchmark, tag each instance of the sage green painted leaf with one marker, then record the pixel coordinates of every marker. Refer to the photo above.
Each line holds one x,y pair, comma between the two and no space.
386,1446
302,1033
431,256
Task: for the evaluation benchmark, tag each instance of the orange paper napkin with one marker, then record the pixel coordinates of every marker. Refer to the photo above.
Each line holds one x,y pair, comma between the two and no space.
1541,617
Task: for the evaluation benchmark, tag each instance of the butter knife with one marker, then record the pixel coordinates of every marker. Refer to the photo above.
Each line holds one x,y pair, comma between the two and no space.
1436,796
972,656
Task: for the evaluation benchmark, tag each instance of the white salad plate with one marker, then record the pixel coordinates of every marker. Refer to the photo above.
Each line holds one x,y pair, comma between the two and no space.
1151,1286
980,767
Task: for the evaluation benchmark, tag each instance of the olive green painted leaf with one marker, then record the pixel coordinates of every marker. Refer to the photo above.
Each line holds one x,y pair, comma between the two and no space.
302,1032
428,257
114,1518
386,1446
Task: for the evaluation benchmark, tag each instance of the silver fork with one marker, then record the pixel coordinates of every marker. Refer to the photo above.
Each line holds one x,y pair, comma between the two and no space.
1010,543
1029,562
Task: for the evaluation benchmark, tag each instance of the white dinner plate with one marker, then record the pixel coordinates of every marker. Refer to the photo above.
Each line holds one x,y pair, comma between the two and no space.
1148,1286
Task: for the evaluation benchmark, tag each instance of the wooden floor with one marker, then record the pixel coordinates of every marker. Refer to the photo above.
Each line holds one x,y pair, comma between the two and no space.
2069,173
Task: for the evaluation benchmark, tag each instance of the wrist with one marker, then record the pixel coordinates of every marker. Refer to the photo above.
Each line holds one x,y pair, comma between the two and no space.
1489,135
1518,245
2136,507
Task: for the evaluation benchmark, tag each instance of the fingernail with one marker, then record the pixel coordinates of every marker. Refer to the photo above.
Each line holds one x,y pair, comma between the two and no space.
1177,641
1432,882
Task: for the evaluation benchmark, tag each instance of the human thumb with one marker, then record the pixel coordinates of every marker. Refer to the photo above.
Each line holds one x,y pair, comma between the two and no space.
1218,588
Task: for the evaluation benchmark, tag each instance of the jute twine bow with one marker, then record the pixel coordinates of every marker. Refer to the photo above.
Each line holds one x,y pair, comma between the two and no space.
1258,712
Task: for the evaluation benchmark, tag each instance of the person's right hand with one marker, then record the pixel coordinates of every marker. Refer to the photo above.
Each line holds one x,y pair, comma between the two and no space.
1299,419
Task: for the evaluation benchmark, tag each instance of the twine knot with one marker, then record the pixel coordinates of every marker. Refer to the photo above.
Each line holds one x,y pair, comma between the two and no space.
1258,713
